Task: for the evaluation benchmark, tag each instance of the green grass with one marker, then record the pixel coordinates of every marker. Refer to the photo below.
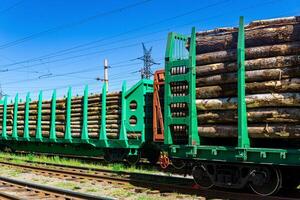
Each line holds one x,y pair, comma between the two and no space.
118,167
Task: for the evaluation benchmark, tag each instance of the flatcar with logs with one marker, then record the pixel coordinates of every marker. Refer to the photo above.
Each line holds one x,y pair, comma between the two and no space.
226,109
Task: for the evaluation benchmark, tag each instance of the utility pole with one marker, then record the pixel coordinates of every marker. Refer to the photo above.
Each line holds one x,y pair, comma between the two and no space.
106,73
146,72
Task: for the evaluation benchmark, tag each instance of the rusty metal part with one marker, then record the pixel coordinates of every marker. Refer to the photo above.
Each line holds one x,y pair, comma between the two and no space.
158,123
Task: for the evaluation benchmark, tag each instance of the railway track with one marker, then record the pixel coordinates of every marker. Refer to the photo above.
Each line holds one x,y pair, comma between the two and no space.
162,183
13,189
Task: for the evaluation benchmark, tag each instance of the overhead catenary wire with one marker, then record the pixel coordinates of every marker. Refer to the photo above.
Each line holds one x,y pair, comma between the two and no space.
183,25
66,51
69,25
248,8
50,75
11,7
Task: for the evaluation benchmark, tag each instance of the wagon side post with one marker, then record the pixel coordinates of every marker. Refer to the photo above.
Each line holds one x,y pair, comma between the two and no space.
243,138
38,133
123,132
167,112
68,135
26,118
15,118
194,138
4,128
53,117
102,134
84,129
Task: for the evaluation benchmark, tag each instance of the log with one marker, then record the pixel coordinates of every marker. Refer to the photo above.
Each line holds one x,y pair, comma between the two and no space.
253,37
254,115
230,90
282,20
253,25
250,53
252,101
255,131
254,64
251,76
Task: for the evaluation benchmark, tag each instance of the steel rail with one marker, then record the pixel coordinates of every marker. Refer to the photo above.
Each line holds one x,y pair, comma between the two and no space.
158,182
34,190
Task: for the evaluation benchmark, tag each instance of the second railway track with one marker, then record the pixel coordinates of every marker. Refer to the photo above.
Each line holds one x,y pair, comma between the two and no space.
13,189
162,183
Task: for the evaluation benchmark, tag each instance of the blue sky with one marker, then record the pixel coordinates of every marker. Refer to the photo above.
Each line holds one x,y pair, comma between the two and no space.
32,30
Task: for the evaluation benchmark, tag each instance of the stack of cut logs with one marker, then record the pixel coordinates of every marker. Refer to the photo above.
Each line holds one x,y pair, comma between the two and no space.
113,117
272,50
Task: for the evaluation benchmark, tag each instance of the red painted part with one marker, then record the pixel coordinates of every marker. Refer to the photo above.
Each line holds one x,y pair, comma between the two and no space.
164,161
158,122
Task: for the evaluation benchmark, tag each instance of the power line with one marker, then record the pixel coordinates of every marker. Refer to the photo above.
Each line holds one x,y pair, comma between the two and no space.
250,7
65,26
55,54
67,74
11,7
83,55
183,25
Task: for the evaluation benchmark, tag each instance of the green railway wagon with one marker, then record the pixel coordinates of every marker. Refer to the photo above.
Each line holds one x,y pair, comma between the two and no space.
265,169
173,129
112,149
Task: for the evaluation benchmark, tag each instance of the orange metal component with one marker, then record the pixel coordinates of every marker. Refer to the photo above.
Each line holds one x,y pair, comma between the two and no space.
158,121
164,161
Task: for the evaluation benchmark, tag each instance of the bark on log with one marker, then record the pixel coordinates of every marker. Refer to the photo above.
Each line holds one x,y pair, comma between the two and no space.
256,115
254,37
255,131
250,53
230,90
252,101
253,25
251,76
254,64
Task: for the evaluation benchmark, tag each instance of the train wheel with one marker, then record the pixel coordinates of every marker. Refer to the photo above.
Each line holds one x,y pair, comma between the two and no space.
178,164
201,177
133,159
108,157
266,181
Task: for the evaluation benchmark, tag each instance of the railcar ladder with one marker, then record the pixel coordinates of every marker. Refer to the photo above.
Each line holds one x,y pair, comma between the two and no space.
180,90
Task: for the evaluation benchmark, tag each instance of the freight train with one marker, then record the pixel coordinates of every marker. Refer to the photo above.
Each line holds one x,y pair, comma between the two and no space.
225,108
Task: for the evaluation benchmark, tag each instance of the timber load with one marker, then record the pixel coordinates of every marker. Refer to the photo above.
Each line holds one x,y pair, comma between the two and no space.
272,64
94,105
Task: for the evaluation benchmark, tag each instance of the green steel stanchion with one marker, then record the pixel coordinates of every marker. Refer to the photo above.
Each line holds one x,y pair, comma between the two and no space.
167,112
26,118
84,131
15,119
123,132
243,138
38,132
4,132
53,117
102,134
193,124
68,135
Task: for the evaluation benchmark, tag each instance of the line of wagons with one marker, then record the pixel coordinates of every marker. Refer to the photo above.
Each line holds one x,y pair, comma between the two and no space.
156,120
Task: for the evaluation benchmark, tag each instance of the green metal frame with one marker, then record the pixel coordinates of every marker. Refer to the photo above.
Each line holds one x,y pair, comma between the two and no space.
243,152
15,119
53,117
68,135
243,138
175,57
4,133
26,116
71,145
